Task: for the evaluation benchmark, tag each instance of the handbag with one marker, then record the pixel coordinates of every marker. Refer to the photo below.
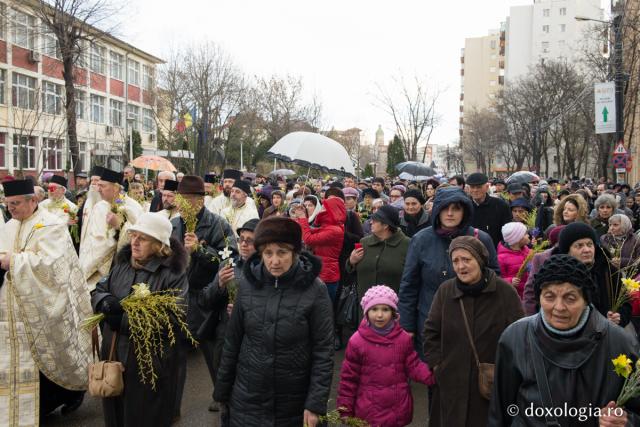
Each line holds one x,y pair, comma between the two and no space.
348,307
105,376
485,370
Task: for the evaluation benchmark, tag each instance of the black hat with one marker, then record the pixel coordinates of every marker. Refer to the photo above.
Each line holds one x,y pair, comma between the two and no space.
336,184
97,171
552,180
111,176
243,185
520,203
477,178
278,229
387,215
575,231
499,181
333,191
171,185
231,174
60,180
20,187
515,188
416,194
248,226
561,269
371,193
81,175
191,184
210,178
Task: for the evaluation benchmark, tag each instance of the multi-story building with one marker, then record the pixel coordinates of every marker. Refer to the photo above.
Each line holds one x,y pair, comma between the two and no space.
115,86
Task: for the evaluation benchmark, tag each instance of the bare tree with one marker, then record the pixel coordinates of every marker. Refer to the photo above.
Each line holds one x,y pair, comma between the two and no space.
413,109
484,133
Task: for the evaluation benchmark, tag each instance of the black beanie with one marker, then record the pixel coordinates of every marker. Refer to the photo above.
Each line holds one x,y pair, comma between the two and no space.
575,231
561,269
278,229
416,194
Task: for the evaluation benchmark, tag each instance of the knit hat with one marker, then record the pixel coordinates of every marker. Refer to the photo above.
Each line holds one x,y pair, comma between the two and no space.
473,245
387,215
512,232
243,185
416,194
564,268
278,229
554,234
348,192
400,187
379,294
575,231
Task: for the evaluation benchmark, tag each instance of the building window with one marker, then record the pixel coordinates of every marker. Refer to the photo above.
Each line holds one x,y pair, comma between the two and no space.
51,98
147,120
147,76
97,58
545,47
546,12
545,29
133,72
24,152
3,148
563,11
50,45
117,66
133,115
116,113
493,44
52,154
3,85
81,100
23,91
83,159
23,29
97,109
563,28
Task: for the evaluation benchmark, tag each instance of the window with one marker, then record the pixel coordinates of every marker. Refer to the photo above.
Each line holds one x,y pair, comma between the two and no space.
50,45
3,80
116,113
3,148
23,29
117,66
134,72
23,91
493,44
546,12
563,11
545,47
81,100
24,152
97,58
133,115
51,98
563,28
97,109
147,77
3,23
52,154
147,120
82,156
545,29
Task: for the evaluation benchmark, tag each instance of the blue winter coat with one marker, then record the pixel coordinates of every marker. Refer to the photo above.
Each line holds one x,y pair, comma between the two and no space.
428,264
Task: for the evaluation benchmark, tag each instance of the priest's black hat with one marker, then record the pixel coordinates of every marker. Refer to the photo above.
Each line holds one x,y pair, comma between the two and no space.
171,185
111,176
231,174
60,180
20,187
97,171
243,185
210,178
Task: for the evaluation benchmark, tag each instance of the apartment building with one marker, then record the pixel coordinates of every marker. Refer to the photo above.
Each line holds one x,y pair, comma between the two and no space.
115,85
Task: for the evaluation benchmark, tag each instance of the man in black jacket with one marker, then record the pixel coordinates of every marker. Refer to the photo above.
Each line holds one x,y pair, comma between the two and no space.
156,202
212,236
489,213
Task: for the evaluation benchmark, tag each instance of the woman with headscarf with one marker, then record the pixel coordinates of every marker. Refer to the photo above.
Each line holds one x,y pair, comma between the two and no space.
488,304
620,242
413,217
561,357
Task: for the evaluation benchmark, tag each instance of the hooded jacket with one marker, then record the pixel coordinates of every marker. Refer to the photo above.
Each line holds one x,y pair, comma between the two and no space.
428,265
277,358
325,240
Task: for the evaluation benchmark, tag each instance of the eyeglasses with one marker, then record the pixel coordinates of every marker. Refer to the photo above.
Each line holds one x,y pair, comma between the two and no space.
246,240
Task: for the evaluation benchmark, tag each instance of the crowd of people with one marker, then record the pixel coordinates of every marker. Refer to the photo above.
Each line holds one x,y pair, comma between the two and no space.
492,294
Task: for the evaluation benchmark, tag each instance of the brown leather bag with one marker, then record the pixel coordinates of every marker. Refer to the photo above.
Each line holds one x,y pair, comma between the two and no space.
105,377
485,370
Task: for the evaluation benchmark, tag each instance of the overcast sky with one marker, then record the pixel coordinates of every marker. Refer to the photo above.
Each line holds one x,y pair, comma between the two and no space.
341,48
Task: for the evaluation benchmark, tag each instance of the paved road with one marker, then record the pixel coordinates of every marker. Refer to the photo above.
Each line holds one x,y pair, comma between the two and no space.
197,398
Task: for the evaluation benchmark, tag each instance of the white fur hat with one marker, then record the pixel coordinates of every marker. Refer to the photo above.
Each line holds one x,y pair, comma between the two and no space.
155,225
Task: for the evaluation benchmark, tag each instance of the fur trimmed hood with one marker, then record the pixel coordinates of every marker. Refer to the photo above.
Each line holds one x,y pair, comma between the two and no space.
177,262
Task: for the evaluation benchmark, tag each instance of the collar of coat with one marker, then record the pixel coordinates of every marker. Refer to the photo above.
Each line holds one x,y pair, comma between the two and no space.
177,261
491,285
395,239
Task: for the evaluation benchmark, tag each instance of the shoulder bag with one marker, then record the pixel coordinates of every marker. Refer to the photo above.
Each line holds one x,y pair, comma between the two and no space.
105,376
485,370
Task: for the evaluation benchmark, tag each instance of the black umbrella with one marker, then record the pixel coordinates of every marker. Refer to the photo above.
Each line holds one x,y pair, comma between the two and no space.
415,168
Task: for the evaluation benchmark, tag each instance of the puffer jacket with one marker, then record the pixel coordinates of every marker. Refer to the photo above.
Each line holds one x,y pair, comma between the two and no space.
510,262
277,358
326,238
374,377
428,265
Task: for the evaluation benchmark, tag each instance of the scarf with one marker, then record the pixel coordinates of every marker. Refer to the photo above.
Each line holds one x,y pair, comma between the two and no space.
475,289
385,330
569,332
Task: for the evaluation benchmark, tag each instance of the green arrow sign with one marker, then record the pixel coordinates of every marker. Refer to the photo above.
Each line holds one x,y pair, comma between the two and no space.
605,113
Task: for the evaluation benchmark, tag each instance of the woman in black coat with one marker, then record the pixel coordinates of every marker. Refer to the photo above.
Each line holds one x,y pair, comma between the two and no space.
160,262
277,360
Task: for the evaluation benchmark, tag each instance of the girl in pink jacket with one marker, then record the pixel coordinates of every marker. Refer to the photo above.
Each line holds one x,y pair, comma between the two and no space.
380,359
512,252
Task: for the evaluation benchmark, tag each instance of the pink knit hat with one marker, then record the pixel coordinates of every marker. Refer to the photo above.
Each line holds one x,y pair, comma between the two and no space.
512,232
379,294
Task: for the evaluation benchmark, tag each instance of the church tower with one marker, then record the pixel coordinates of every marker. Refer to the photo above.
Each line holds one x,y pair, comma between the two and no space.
381,150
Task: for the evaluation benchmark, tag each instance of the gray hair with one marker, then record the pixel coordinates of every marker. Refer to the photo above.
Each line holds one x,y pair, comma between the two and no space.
625,222
168,175
606,199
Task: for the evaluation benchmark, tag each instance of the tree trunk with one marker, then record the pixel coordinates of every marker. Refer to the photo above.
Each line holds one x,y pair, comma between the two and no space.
70,109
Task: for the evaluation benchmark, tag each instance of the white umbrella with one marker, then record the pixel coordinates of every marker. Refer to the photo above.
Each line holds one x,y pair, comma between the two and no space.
313,150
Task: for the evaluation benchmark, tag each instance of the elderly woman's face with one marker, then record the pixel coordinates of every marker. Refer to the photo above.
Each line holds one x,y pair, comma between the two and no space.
615,228
466,266
141,246
584,250
605,211
562,305
412,205
277,258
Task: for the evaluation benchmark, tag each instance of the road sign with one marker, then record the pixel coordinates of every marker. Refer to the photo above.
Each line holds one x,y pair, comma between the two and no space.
620,170
619,149
605,107
619,161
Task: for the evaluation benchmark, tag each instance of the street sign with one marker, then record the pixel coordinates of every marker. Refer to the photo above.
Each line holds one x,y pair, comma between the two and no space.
620,170
619,161
619,149
605,107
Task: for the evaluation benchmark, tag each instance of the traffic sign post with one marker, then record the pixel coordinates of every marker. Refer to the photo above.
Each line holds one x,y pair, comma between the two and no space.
605,107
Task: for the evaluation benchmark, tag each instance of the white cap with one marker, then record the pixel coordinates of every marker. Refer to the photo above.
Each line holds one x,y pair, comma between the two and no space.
154,224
